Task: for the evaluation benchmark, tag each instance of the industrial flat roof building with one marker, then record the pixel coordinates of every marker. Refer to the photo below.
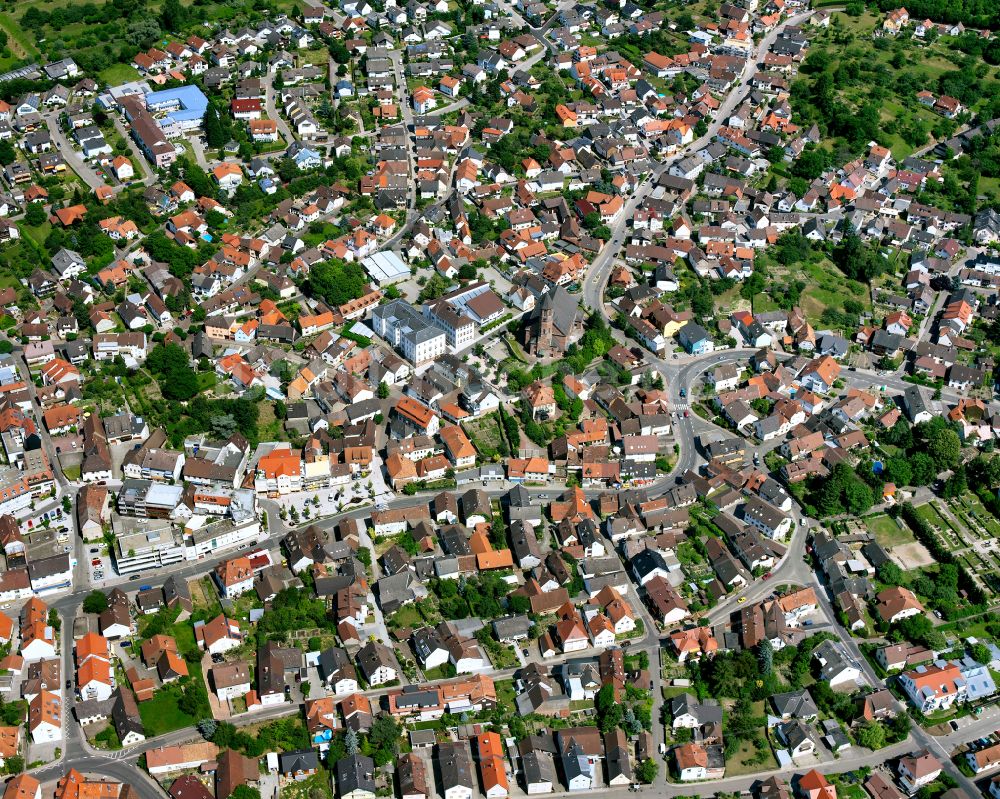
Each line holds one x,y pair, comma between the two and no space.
385,267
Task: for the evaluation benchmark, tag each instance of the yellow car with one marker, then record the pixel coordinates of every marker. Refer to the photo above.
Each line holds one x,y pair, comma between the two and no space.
741,600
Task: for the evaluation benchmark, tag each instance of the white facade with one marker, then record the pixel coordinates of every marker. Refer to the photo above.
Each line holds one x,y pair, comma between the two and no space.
96,689
233,691
46,733
382,675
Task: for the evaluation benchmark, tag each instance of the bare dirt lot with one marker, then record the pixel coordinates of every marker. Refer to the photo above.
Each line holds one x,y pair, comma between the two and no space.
911,556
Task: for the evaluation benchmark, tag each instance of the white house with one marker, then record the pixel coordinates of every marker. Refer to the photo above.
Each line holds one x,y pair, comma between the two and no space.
45,717
231,680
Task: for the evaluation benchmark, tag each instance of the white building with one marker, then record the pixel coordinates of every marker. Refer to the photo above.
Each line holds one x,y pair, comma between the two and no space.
419,341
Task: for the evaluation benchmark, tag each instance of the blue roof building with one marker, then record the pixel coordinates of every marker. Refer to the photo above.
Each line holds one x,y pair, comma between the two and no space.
184,104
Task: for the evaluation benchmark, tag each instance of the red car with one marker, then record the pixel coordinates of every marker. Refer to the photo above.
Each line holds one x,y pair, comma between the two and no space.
767,576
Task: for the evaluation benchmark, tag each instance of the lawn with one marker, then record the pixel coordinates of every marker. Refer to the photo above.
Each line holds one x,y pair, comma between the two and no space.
670,691
412,615
206,381
851,792
887,532
749,760
505,693
161,714
38,233
117,74
438,673
930,515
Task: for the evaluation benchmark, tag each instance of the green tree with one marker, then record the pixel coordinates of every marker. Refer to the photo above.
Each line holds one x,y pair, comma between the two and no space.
890,574
173,15
215,134
245,792
467,271
383,738
981,653
871,735
944,447
898,471
34,214
648,770
95,602
337,282
765,652
922,466
169,362
383,390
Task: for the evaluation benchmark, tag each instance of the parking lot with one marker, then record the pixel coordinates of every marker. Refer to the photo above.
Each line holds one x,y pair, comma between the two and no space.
99,565
57,522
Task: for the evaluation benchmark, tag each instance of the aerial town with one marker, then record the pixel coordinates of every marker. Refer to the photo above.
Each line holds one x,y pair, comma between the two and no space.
488,398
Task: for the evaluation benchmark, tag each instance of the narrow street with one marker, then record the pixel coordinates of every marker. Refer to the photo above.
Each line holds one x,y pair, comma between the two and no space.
67,151
267,81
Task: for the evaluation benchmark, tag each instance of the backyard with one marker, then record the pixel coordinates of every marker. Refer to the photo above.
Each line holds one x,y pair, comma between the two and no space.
205,597
315,787
486,436
163,713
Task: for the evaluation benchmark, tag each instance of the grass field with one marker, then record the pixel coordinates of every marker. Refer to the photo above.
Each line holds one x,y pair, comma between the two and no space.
417,614
204,595
887,532
974,509
207,380
117,74
37,233
826,287
929,513
881,62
